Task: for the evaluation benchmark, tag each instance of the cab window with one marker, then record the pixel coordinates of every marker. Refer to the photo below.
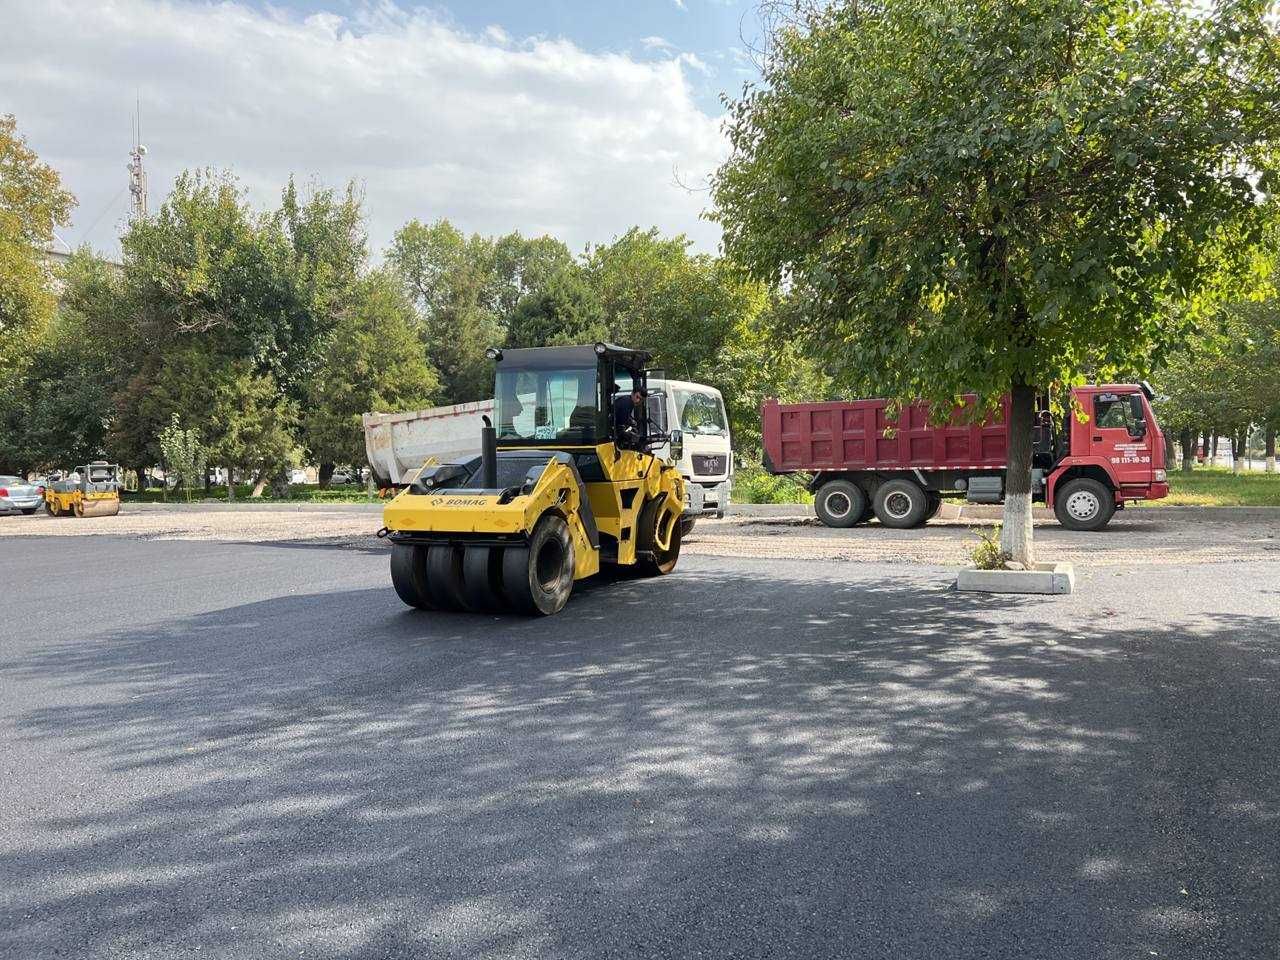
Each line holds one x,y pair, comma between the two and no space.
700,412
1116,411
546,405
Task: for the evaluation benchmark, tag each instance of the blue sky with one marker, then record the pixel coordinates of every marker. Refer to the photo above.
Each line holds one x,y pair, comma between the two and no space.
577,118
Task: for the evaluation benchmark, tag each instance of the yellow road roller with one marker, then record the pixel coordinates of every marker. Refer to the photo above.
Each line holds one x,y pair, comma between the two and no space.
565,483
91,490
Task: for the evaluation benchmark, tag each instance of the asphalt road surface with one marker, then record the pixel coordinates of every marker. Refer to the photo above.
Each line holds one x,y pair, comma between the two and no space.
213,749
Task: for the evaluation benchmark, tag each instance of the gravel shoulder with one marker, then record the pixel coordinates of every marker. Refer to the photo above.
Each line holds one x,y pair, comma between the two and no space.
1169,536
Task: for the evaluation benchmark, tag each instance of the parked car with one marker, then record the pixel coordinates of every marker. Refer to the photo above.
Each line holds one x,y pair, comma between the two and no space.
19,495
344,475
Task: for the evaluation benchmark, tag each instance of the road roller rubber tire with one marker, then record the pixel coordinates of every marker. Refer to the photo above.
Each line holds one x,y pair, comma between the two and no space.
538,579
50,509
78,508
409,574
482,578
660,562
444,577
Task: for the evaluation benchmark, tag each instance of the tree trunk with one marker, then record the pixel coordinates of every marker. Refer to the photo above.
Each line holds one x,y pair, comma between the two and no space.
326,474
1015,536
259,483
1213,458
1169,451
231,486
1271,450
1239,440
1187,441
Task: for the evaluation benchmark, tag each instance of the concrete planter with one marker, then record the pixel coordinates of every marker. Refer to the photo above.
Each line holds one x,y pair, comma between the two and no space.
1045,578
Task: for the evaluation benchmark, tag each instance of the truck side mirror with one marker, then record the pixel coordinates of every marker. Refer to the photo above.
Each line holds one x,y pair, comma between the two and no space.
677,444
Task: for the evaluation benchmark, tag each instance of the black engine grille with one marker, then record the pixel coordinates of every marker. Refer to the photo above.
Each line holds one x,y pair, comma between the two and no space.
705,465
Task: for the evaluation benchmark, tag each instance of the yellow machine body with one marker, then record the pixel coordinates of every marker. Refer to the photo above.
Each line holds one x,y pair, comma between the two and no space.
560,513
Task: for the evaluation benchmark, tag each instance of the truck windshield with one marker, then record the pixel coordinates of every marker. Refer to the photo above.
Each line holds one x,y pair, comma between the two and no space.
700,412
558,406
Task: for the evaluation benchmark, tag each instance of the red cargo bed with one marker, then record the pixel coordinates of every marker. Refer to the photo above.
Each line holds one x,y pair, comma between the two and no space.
857,435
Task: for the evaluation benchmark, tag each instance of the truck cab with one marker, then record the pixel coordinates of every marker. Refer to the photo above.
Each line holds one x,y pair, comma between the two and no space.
701,447
1118,445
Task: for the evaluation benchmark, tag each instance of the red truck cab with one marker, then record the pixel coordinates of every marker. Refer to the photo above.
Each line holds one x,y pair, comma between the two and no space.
864,462
1119,444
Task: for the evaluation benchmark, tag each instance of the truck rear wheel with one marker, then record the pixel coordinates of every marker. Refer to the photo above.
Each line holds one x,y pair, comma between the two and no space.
840,503
409,574
1084,504
538,579
901,504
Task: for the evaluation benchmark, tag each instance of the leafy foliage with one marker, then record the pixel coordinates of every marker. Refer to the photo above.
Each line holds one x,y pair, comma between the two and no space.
373,361
32,203
988,554
973,195
183,455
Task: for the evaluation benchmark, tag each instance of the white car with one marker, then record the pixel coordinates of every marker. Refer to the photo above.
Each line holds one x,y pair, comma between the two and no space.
19,496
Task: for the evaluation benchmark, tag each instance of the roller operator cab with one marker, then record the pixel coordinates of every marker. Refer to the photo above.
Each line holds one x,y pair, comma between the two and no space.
567,481
1106,450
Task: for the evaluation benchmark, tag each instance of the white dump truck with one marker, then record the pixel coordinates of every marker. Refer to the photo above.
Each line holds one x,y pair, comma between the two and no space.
397,444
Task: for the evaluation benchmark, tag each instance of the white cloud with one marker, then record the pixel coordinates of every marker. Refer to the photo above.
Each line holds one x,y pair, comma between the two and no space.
493,132
694,62
656,43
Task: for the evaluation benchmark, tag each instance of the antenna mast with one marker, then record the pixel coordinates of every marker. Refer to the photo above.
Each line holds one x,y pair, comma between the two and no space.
137,175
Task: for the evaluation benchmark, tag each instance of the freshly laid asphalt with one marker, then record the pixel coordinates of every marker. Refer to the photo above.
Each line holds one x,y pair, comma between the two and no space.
226,750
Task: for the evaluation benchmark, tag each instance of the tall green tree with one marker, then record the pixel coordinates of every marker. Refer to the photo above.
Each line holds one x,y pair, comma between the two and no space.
32,204
251,425
466,290
1000,195
449,276
374,360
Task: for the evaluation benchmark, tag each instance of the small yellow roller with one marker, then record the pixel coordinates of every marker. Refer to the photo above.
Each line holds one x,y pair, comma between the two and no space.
91,490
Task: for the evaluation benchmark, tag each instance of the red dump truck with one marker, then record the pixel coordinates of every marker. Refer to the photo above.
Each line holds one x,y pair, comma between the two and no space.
865,464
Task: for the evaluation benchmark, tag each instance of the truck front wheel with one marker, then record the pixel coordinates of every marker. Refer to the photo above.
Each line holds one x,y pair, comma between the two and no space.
840,503
901,504
1084,504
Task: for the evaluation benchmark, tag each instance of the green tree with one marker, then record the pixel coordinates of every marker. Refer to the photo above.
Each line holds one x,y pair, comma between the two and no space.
183,455
563,310
450,278
1001,195
373,361
251,426
654,293
32,204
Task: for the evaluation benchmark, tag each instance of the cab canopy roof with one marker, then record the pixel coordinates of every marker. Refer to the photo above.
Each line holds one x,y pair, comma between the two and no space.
555,358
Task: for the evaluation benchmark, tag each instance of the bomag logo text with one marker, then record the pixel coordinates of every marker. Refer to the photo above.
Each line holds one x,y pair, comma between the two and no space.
460,501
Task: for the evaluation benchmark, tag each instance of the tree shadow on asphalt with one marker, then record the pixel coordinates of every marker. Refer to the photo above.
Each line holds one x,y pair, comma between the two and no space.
700,765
